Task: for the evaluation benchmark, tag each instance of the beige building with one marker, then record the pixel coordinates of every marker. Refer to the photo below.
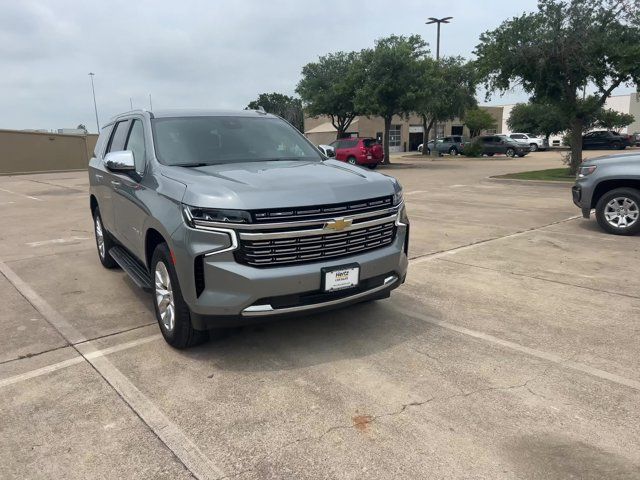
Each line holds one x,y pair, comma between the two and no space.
28,152
405,135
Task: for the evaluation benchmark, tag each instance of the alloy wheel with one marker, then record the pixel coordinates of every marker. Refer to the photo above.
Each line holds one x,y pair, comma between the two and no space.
164,297
621,212
100,237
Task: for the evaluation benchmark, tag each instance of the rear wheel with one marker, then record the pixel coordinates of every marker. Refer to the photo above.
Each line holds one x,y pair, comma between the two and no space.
352,160
510,152
104,242
372,166
453,151
172,313
489,154
618,211
534,147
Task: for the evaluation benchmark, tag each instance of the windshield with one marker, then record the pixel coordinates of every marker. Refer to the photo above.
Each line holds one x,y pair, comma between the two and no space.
215,140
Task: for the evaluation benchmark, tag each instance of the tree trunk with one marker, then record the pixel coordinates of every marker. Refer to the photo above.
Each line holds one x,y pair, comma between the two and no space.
385,141
426,130
576,145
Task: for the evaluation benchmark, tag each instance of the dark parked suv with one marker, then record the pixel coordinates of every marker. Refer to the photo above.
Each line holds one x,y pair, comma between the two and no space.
605,139
452,145
501,144
231,217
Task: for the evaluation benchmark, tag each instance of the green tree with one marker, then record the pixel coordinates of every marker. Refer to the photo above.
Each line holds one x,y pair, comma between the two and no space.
477,120
444,90
329,87
539,118
289,108
612,120
391,71
555,52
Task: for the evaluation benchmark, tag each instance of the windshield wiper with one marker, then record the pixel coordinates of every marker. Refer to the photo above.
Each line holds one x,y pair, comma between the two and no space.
188,165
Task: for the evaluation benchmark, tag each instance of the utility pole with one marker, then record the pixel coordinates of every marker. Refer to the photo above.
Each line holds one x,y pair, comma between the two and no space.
150,104
95,106
437,21
131,103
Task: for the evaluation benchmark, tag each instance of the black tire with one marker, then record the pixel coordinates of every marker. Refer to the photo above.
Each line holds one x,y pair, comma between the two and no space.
489,154
107,241
453,151
617,146
372,166
534,147
520,155
182,335
352,161
510,152
602,206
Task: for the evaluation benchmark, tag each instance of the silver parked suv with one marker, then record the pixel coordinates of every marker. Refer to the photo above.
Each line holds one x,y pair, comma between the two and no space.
231,217
611,185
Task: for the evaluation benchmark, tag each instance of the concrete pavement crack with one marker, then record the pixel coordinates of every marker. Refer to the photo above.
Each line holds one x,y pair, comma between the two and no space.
399,411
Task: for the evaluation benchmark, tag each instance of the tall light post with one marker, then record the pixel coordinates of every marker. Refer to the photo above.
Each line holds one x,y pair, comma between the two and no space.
95,106
438,21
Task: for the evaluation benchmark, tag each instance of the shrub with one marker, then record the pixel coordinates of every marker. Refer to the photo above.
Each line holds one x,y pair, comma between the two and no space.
473,149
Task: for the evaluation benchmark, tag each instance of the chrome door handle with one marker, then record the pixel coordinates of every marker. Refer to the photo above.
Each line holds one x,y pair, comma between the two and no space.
98,176
115,183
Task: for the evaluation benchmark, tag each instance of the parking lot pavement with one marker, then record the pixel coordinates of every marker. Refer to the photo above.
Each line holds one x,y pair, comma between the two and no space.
510,352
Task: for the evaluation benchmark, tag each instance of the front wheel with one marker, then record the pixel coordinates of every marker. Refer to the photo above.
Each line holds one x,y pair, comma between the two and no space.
453,151
172,313
534,147
618,211
352,161
510,152
104,242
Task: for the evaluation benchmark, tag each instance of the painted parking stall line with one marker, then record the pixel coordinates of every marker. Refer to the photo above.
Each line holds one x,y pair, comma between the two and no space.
21,195
167,431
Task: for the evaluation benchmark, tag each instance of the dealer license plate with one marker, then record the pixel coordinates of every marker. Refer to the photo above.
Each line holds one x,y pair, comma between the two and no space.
340,278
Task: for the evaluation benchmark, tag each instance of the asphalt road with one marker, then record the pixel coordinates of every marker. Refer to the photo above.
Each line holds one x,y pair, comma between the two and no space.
511,351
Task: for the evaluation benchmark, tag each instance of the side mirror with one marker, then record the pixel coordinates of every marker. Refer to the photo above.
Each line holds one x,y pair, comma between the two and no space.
120,161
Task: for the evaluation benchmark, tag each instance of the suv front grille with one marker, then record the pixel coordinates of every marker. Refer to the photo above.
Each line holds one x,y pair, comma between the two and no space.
298,247
321,211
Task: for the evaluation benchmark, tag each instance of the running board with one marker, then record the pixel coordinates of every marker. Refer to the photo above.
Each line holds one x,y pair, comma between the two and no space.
138,273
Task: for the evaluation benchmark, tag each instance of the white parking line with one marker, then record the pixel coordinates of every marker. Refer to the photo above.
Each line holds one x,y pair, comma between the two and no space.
167,431
56,240
550,357
22,195
415,192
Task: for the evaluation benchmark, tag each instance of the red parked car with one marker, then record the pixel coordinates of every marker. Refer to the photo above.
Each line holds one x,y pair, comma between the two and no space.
359,151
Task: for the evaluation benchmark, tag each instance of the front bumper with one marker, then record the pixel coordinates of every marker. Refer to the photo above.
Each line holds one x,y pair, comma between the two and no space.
236,294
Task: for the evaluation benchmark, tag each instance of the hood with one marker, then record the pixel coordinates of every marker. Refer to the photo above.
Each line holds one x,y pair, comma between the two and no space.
278,184
620,159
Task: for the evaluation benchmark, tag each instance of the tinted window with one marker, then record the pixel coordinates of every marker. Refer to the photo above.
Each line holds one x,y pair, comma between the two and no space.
215,140
487,139
348,143
118,137
517,135
135,143
368,142
457,139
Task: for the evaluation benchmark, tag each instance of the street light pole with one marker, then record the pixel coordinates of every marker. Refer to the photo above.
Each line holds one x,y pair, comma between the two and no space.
95,106
437,21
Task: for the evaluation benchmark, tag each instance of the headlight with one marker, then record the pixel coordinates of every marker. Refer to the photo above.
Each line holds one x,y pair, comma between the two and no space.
397,197
402,219
587,170
195,215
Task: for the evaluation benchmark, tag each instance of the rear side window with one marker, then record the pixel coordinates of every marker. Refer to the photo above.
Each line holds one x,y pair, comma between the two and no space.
102,140
517,135
118,137
135,144
368,142
487,139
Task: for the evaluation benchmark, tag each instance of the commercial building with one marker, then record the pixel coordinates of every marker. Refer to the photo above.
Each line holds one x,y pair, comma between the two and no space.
405,135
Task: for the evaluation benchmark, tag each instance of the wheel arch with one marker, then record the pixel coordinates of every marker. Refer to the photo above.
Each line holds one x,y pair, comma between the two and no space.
608,185
152,239
93,204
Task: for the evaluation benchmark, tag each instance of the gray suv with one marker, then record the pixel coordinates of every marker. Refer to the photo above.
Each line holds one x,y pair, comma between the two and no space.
233,217
611,185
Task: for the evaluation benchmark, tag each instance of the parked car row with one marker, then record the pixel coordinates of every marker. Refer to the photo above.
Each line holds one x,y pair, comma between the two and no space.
490,145
606,139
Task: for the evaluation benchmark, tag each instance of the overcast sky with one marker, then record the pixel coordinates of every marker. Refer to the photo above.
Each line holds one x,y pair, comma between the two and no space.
209,53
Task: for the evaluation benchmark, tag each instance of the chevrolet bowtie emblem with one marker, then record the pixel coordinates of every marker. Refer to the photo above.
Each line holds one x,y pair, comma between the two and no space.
338,224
